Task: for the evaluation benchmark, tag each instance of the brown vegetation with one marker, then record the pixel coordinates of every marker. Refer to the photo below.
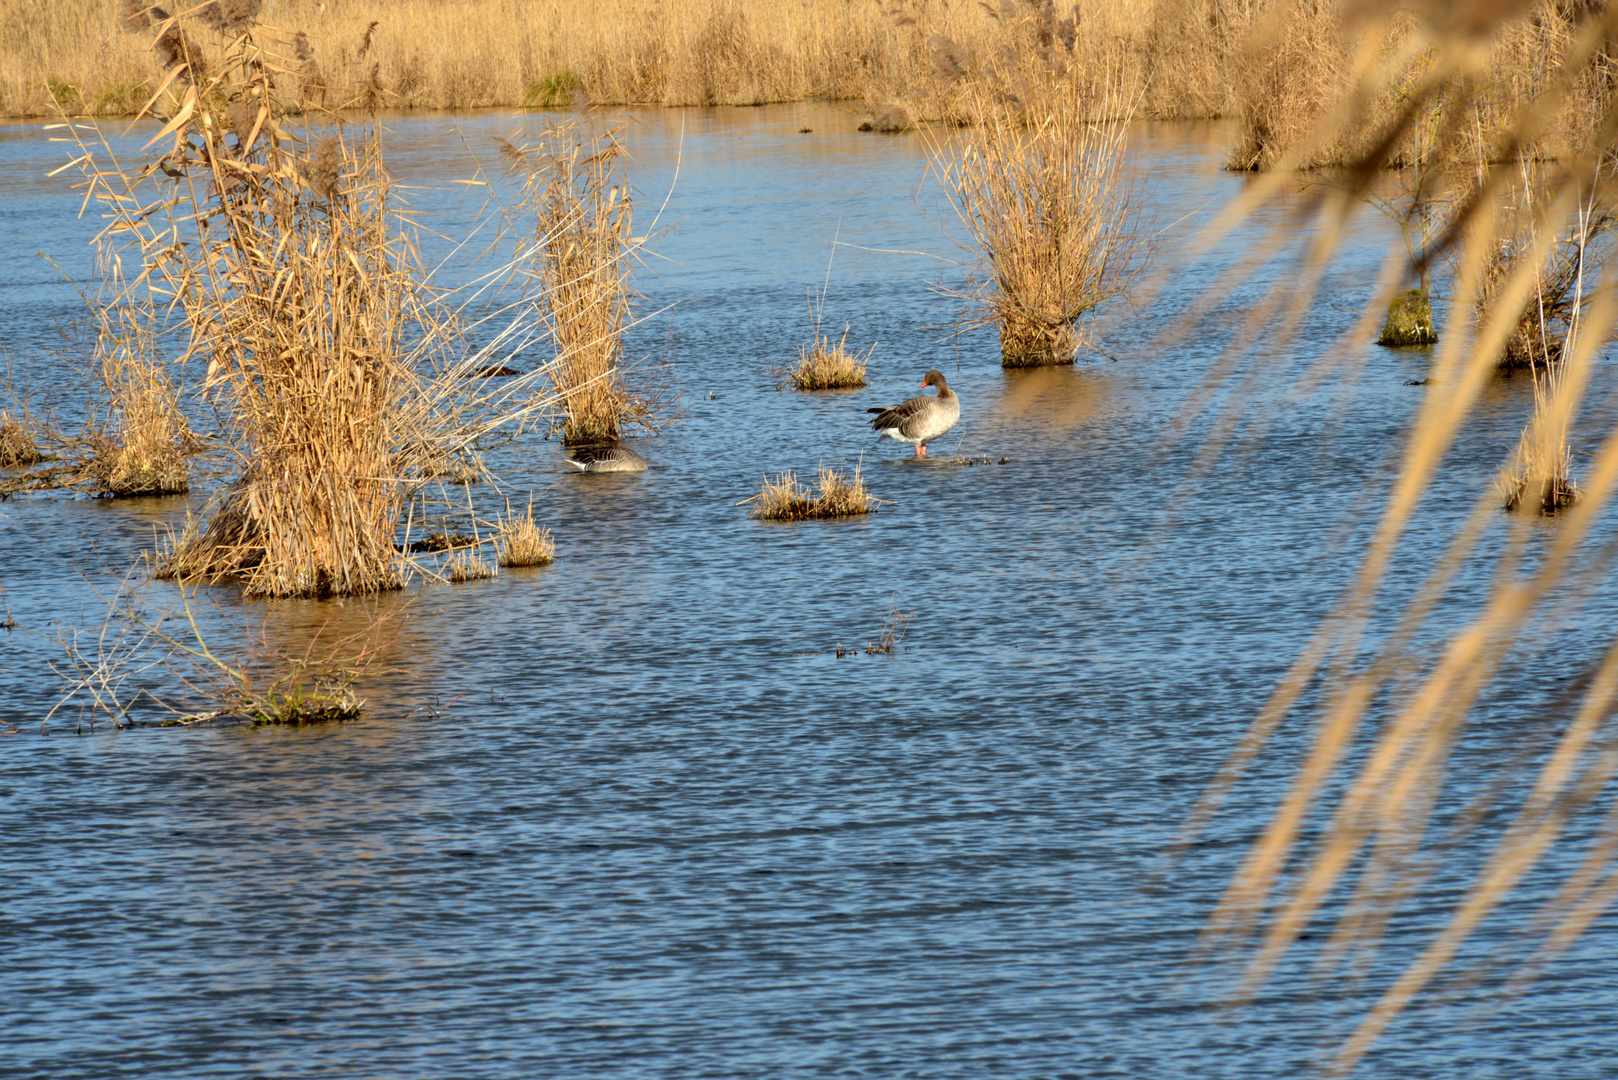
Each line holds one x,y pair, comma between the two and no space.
17,444
827,366
1045,207
584,215
337,365
522,543
784,499
1282,66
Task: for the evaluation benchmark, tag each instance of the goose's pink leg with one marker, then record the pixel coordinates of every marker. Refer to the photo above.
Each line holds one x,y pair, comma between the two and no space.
921,449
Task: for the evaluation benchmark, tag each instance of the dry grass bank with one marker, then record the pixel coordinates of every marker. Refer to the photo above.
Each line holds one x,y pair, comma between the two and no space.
479,53
1280,65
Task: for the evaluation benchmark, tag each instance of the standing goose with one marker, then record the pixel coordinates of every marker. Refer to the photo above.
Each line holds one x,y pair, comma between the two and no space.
922,418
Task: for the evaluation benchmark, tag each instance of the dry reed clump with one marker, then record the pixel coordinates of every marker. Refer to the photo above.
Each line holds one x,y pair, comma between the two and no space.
522,543
143,446
784,499
467,566
1047,210
17,444
825,366
584,211
339,369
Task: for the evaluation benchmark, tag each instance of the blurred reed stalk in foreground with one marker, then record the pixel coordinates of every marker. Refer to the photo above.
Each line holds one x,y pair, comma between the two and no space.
1379,805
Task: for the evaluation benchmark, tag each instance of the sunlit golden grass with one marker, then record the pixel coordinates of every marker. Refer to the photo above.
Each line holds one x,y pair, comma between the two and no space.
1044,205
17,444
584,212
839,495
339,368
141,450
467,566
1379,807
826,365
522,543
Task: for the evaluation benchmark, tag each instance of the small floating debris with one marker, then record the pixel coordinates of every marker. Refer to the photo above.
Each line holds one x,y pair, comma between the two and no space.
605,459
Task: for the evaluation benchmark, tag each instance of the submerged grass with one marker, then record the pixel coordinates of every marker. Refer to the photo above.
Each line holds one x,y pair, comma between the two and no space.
839,495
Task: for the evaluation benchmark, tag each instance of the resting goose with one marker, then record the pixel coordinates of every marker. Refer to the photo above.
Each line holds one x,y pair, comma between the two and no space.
922,418
597,459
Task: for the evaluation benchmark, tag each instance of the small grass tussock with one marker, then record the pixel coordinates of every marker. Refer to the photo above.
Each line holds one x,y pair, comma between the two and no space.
828,366
522,543
553,91
1047,212
18,447
839,495
468,566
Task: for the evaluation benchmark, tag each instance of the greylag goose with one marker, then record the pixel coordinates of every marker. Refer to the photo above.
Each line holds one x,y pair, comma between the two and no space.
922,418
595,459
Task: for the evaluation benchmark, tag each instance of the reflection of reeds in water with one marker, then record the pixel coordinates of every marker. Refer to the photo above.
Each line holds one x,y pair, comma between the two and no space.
1379,804
1044,205
839,495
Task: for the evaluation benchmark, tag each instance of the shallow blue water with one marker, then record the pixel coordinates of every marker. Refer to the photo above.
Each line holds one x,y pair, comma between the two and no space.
630,815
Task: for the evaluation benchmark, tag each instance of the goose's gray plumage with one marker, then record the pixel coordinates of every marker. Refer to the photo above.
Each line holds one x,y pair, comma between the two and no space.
599,459
921,419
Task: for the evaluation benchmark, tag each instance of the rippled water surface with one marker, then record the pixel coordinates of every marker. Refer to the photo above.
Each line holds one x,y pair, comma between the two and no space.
631,815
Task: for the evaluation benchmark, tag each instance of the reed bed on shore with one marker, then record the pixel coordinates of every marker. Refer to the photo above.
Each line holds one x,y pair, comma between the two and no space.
1380,805
1281,66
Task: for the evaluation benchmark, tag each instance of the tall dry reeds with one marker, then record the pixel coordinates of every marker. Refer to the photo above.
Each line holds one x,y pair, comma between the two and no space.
338,368
584,210
1380,805
1048,212
142,447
